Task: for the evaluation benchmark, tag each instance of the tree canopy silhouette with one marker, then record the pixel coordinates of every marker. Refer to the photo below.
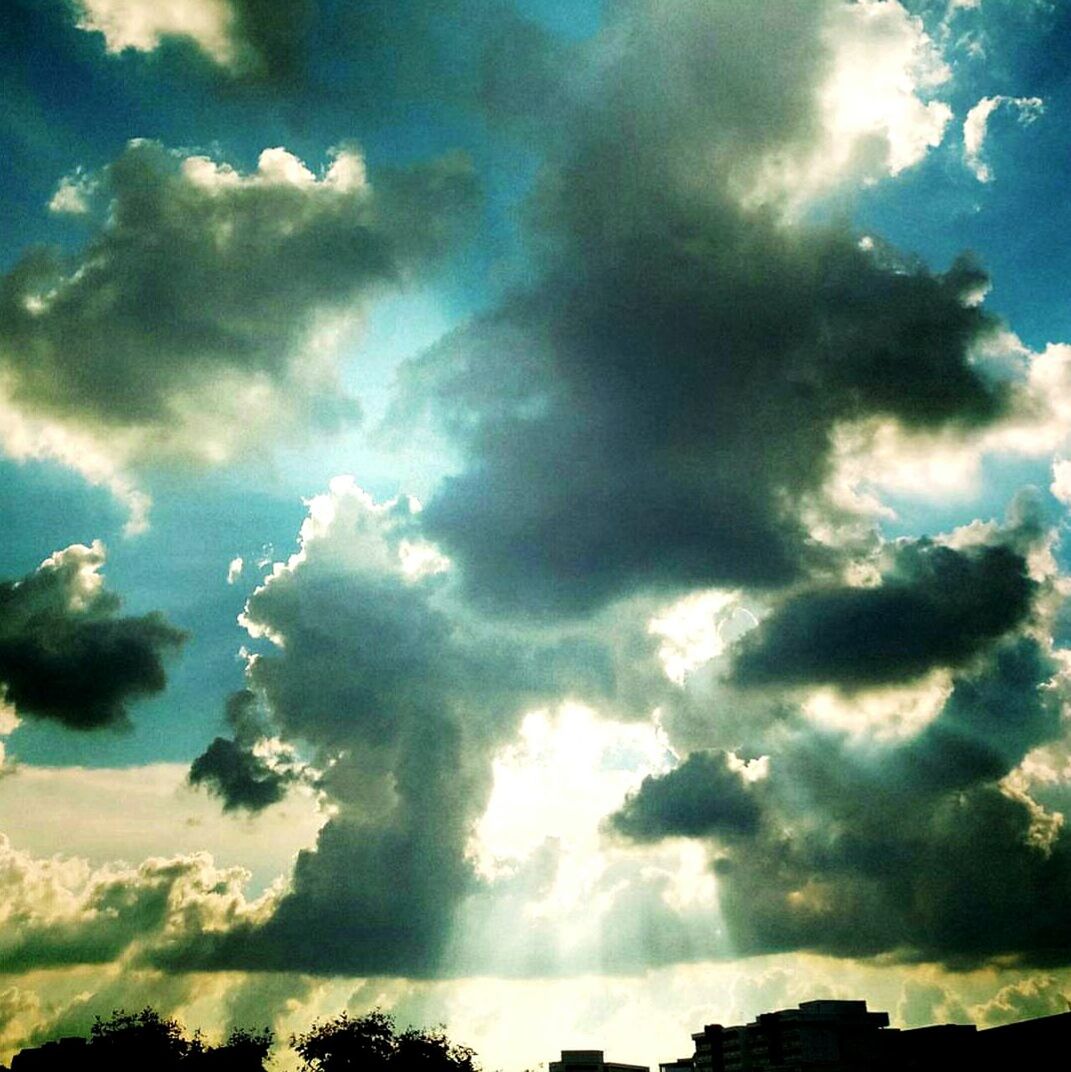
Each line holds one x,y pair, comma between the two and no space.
370,1043
147,1040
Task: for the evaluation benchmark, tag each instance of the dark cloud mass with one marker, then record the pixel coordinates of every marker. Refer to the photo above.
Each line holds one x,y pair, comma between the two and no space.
915,849
273,37
703,797
657,410
403,698
65,653
989,722
935,606
225,280
232,769
240,777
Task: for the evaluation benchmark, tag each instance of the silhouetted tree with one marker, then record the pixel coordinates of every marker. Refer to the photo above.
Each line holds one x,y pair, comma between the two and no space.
147,1040
141,1040
369,1044
244,1051
432,1051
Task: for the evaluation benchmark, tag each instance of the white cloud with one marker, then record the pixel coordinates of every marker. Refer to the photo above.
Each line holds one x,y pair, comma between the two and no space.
72,194
696,629
142,24
61,910
101,462
1061,480
265,274
975,127
877,455
234,569
876,111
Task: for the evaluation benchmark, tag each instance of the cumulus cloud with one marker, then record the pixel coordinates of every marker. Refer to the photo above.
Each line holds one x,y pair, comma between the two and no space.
240,286
660,409
61,911
934,606
667,393
1039,995
919,847
703,797
245,772
401,697
928,842
975,127
66,655
72,195
140,25
247,38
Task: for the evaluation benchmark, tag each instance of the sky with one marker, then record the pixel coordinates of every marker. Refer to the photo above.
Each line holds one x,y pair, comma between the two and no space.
543,517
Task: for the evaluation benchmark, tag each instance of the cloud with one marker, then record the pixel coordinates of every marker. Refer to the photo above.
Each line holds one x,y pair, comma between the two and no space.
249,39
239,776
140,25
65,653
61,911
935,606
990,721
1041,995
400,697
72,196
920,848
241,287
104,814
975,126
246,772
703,797
880,117
656,411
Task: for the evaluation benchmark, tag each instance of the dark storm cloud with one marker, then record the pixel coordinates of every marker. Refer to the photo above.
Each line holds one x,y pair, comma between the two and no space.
703,797
990,721
237,775
914,849
233,770
224,279
66,655
379,892
656,411
935,606
962,882
656,420
273,36
402,698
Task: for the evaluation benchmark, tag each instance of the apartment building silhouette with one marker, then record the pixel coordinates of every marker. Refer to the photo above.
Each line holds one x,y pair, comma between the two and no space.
844,1036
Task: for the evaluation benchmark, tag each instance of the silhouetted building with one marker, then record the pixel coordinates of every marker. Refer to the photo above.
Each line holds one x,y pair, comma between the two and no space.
1010,1043
590,1061
64,1053
940,1046
818,1036
843,1036
682,1064
709,1044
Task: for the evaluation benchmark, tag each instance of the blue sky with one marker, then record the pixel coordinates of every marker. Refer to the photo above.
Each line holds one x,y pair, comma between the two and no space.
607,456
